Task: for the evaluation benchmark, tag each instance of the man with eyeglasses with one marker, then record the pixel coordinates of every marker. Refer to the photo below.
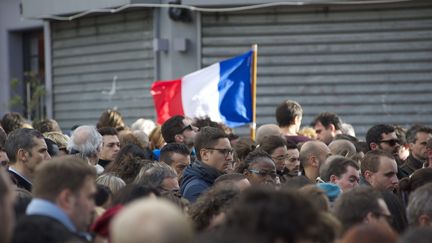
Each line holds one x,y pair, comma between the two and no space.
383,136
214,156
417,137
179,129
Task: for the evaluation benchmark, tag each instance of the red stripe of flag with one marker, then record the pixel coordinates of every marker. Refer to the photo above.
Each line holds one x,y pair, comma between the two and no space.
167,99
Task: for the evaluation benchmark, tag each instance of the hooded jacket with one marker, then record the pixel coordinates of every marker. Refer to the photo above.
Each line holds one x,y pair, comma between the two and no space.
197,177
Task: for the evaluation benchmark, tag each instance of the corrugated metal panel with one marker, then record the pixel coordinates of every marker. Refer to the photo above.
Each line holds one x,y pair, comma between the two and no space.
88,53
370,64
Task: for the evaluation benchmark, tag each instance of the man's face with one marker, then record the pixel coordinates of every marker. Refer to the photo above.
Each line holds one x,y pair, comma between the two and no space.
390,143
385,178
36,155
179,163
324,134
220,156
293,162
83,205
418,149
349,180
110,147
188,133
280,156
262,172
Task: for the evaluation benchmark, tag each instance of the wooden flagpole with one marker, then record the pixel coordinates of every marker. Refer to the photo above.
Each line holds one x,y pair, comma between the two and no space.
254,79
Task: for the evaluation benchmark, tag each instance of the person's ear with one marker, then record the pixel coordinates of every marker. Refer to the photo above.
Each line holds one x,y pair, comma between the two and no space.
333,179
21,155
331,127
424,220
65,200
204,154
373,146
368,175
178,138
314,161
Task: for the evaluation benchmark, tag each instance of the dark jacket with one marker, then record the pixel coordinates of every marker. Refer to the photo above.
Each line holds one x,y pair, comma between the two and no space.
197,177
42,229
19,181
411,164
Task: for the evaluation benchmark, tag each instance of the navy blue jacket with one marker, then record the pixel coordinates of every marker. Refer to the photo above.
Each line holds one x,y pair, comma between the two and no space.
197,178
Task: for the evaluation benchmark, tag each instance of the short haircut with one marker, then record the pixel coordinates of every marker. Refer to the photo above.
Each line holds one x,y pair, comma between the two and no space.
3,137
60,173
411,134
372,160
327,118
114,183
108,131
169,149
172,127
354,205
21,138
85,141
230,177
12,121
266,130
255,156
374,134
207,137
154,176
419,204
270,143
151,220
337,165
46,125
417,179
287,111
291,145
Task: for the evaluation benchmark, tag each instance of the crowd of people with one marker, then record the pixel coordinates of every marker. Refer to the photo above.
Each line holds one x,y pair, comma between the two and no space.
195,180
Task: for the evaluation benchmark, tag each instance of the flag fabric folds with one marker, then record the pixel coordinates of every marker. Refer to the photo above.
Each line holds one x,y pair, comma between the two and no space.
221,91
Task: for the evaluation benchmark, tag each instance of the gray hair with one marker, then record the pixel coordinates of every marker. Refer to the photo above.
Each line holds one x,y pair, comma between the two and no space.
154,176
419,204
85,141
112,181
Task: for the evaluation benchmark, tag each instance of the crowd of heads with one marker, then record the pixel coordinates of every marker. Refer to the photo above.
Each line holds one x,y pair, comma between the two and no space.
195,180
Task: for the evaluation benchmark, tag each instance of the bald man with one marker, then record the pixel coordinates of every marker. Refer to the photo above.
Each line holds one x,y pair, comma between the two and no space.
312,155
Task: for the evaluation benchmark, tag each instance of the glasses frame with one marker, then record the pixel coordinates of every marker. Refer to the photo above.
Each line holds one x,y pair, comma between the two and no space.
225,152
259,172
391,142
188,127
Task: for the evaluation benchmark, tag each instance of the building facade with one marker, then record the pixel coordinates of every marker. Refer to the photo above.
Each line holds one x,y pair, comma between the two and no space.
369,63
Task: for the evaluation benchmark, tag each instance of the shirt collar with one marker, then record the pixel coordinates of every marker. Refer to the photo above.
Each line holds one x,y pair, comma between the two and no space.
16,172
46,208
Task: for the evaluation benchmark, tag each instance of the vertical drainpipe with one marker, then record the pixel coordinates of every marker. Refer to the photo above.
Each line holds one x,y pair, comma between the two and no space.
48,69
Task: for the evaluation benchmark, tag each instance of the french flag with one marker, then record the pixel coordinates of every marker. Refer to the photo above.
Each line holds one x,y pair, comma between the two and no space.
221,91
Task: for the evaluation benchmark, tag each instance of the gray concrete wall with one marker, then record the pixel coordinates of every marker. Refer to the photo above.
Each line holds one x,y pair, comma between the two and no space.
11,24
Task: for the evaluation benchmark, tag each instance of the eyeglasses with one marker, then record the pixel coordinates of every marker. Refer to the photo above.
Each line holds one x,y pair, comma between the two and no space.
225,152
188,127
264,173
390,142
389,218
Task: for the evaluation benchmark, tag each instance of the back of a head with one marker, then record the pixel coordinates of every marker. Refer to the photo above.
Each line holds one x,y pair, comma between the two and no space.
353,206
46,125
266,130
417,235
21,138
243,147
154,176
328,118
6,217
367,233
59,138
373,135
270,143
207,137
344,148
419,178
172,127
144,125
284,215
59,173
152,221
111,118
419,205
114,183
85,140
12,121
308,149
287,111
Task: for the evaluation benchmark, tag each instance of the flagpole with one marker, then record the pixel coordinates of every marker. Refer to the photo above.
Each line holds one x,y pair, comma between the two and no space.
254,79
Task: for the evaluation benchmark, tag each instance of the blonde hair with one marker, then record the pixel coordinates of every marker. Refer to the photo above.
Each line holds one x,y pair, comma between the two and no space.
59,138
156,139
307,132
